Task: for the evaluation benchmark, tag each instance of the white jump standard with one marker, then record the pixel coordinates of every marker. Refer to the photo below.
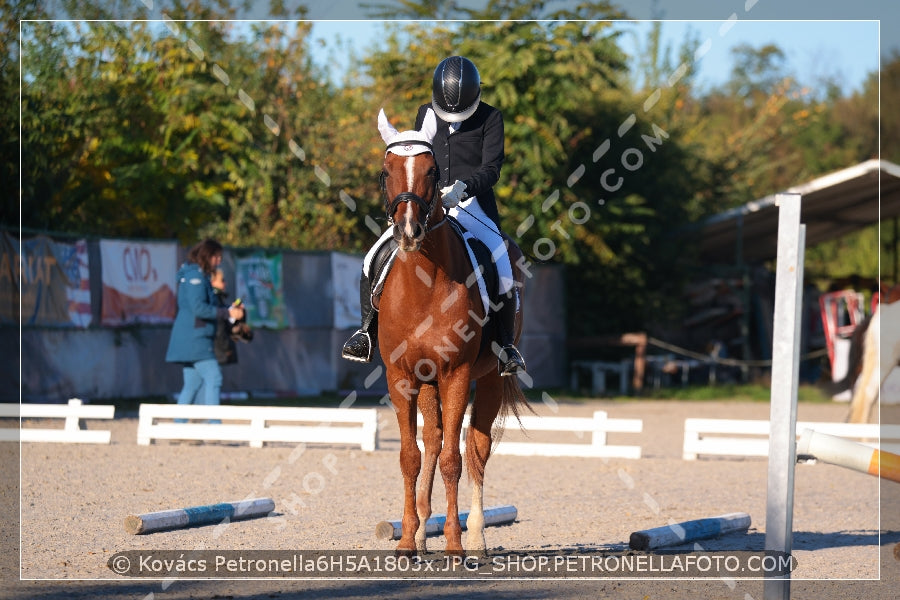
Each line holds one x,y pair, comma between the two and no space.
198,515
785,380
495,515
689,531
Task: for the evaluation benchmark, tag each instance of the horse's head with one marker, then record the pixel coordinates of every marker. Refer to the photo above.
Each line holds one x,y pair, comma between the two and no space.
409,181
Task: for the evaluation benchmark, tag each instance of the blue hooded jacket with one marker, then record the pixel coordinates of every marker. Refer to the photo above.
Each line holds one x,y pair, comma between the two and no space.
192,334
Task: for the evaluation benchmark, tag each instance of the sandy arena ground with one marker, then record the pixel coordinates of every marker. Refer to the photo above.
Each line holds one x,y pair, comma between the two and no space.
74,499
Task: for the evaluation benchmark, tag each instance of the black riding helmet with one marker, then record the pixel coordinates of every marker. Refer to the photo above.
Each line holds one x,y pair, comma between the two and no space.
456,89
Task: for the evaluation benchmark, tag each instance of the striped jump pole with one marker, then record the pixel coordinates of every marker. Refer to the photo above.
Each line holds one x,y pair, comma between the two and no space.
689,531
198,515
844,453
495,515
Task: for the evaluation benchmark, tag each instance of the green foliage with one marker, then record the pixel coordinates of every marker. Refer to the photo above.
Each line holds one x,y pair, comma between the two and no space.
10,15
201,127
756,71
853,254
737,393
560,87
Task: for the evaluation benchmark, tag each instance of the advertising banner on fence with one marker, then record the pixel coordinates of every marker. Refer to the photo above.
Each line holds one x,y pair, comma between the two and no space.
138,282
259,286
51,278
345,272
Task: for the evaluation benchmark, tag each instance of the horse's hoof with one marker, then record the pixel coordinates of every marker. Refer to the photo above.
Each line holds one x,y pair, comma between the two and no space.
408,552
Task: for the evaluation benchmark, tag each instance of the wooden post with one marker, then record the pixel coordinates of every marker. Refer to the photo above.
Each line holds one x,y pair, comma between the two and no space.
639,341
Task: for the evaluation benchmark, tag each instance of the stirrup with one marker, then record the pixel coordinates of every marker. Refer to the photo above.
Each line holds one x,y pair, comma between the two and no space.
359,347
510,361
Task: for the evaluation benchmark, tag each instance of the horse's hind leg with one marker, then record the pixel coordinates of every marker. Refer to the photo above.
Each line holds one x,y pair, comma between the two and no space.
488,397
432,435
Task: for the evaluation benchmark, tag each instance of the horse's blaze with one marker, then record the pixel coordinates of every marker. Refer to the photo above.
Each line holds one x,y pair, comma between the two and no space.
413,232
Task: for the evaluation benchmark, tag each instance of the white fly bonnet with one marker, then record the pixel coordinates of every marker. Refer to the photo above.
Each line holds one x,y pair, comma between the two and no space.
408,143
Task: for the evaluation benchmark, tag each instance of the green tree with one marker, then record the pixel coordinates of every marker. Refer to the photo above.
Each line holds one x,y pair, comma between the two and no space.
291,176
11,13
757,71
562,86
199,127
134,127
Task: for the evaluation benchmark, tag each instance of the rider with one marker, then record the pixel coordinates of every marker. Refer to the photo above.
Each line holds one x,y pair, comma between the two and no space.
468,149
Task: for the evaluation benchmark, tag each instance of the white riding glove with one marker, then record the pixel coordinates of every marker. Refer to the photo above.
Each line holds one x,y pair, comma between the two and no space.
453,194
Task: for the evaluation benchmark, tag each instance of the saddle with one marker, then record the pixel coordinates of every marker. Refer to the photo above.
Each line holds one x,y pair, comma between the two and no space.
484,271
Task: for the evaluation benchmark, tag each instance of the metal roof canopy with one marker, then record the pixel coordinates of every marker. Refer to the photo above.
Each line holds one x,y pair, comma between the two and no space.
832,206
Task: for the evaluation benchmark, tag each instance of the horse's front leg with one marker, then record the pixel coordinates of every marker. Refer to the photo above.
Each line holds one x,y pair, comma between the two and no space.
410,464
432,435
454,393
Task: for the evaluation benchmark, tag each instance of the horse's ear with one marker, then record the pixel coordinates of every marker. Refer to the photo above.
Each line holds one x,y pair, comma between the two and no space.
429,125
387,130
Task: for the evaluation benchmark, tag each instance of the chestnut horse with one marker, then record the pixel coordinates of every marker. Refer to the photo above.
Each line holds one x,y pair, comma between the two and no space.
434,338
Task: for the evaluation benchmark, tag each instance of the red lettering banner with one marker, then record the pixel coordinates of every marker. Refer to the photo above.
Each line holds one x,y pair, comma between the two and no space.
138,282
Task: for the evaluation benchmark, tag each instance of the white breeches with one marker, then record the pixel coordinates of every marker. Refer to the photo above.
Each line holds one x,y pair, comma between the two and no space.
471,216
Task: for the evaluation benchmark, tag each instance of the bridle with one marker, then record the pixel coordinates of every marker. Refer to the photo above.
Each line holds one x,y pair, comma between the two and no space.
390,207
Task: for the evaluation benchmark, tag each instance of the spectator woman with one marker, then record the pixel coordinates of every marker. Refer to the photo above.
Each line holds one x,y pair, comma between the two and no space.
198,309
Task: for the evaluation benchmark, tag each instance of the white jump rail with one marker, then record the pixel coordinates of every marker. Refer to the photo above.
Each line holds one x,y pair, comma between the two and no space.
716,437
350,426
71,432
597,426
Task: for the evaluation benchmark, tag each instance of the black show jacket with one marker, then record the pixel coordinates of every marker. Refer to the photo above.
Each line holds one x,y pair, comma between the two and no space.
472,154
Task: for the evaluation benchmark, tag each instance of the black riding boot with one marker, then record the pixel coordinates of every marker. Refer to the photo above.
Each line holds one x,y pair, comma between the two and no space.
510,359
361,344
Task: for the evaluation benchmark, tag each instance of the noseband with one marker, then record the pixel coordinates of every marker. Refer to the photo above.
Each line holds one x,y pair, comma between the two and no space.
391,206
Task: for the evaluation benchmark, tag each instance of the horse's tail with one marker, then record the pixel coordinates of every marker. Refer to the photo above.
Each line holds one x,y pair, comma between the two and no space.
512,402
513,398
